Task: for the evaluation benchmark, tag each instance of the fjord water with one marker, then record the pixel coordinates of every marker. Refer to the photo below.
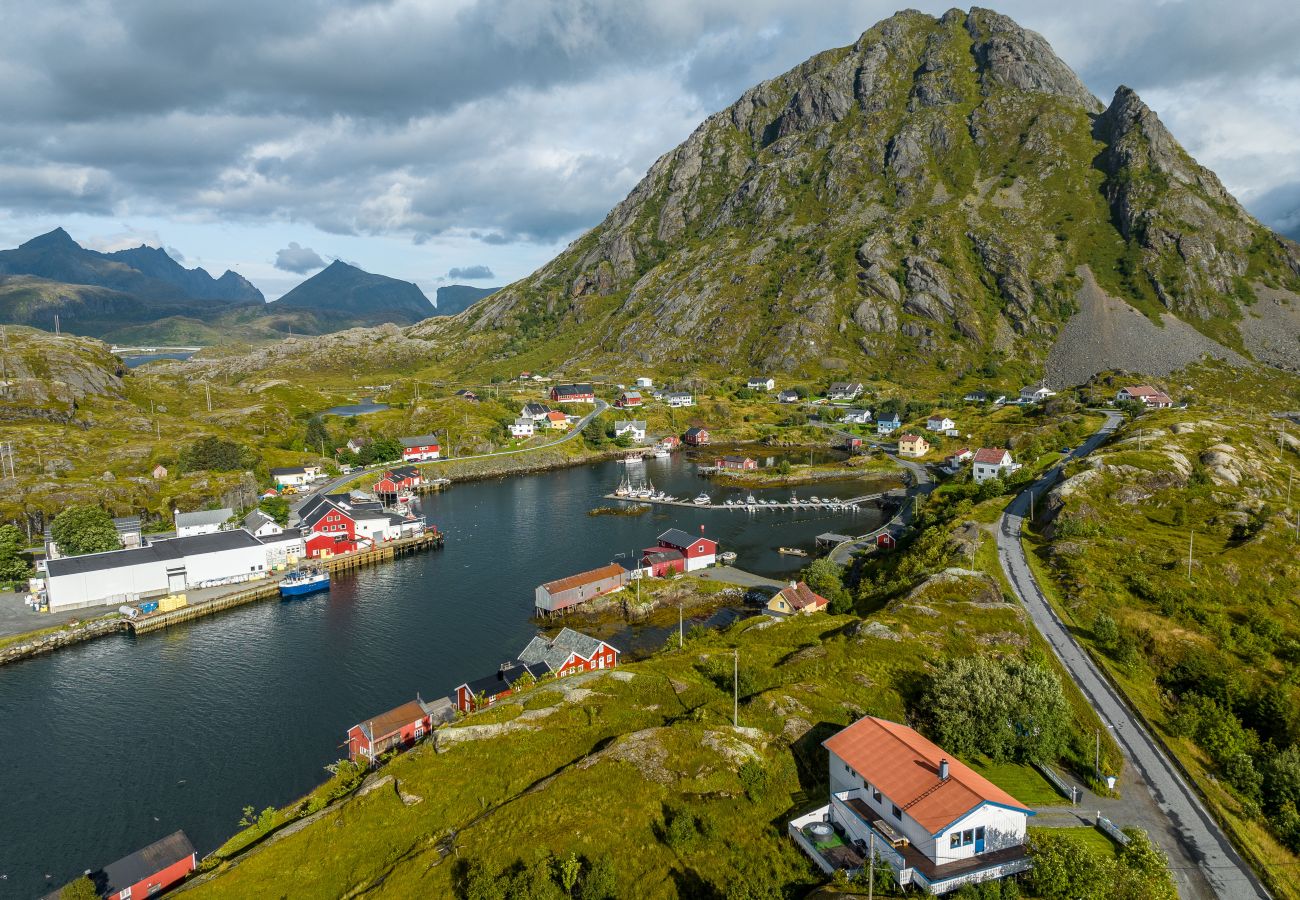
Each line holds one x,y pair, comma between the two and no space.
118,742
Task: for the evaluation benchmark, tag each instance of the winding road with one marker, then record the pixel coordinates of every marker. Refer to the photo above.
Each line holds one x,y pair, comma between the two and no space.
1204,862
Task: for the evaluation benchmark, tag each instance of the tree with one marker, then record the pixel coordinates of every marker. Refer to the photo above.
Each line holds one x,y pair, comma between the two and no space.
825,577
81,889
12,566
1065,870
1143,870
215,454
317,437
600,881
84,529
275,507
381,450
570,868
1105,631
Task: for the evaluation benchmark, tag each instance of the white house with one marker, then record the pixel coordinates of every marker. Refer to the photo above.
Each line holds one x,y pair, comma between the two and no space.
1145,394
761,383
856,416
991,462
645,383
844,390
936,823
159,567
204,521
291,476
535,411
679,399
788,397
261,525
522,427
1033,394
940,423
633,429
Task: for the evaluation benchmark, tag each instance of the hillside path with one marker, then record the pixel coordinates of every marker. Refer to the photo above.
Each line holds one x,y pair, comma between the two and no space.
1204,862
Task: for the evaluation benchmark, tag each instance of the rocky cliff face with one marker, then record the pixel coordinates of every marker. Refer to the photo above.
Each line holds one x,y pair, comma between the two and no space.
927,194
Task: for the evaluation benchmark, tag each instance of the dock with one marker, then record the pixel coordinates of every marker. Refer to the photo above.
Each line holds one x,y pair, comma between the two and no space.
270,589
837,506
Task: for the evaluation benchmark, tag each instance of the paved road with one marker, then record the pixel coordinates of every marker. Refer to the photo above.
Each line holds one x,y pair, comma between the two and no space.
569,435
1204,862
738,577
922,483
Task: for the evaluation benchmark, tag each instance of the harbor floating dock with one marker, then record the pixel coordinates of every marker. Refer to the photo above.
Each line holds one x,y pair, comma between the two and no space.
836,506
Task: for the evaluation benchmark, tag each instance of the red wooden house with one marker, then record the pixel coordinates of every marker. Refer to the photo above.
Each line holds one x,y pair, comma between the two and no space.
149,871
696,437
663,561
483,692
628,399
420,447
573,393
885,541
396,729
569,653
398,479
670,442
323,546
742,463
699,552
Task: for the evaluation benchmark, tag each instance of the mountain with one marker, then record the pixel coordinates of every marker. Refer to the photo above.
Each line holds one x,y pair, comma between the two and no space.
343,296
454,298
932,201
156,263
97,294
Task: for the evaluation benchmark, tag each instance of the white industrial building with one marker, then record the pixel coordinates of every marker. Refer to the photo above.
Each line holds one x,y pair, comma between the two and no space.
159,567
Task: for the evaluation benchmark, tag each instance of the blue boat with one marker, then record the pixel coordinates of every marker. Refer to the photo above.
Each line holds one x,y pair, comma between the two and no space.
301,582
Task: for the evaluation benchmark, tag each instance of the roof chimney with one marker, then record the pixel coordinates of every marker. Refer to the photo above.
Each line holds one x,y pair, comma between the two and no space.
943,770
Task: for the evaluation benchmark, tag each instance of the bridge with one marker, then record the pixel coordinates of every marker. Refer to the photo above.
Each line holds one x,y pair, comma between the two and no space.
135,351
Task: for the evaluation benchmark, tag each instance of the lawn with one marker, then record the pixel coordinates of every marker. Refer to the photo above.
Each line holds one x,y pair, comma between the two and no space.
1020,781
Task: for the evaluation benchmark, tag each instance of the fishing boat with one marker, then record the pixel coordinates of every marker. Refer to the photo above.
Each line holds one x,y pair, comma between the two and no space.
703,500
750,501
301,582
646,491
624,488
791,551
662,453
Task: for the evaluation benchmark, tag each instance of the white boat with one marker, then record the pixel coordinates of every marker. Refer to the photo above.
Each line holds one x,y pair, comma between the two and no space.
727,557
661,453
703,500
814,500
750,501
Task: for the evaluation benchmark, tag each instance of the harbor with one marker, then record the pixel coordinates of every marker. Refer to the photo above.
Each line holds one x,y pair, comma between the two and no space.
286,679
818,503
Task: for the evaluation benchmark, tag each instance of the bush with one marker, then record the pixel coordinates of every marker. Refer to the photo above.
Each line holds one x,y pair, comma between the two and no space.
1105,632
754,778
214,454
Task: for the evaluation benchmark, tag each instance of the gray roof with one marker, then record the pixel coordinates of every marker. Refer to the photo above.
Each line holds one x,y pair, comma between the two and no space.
634,423
290,470
555,652
156,551
256,519
289,534
203,517
418,440
536,409
142,864
679,538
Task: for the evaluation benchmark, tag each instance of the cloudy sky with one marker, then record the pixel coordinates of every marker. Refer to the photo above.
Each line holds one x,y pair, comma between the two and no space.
453,140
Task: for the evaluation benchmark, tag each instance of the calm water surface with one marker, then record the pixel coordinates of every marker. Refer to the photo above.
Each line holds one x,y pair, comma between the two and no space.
118,742
366,405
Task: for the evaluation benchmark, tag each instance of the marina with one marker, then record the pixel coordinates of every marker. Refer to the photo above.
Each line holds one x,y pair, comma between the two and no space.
828,504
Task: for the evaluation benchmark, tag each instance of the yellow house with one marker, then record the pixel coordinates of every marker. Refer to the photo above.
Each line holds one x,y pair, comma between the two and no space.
913,445
796,599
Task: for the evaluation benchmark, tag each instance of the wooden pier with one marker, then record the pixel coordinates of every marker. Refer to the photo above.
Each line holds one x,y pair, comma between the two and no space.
270,589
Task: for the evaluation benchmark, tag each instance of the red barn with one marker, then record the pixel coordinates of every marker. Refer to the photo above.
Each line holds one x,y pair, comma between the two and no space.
663,561
149,871
569,653
398,479
628,399
396,729
573,393
699,552
743,463
885,541
483,692
696,437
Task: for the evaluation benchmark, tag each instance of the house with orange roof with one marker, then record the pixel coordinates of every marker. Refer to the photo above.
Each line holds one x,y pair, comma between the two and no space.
937,823
797,599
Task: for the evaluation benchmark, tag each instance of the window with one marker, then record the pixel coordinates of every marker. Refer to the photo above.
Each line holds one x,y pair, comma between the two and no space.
898,813
125,893
955,841
876,795
967,837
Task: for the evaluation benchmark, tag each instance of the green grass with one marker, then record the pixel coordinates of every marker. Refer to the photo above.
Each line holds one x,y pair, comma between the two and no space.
1022,782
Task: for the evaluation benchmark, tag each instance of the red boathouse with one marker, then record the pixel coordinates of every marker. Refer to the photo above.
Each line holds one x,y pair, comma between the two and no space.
149,871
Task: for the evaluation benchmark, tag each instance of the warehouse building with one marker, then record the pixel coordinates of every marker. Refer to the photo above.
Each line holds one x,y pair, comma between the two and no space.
555,596
159,567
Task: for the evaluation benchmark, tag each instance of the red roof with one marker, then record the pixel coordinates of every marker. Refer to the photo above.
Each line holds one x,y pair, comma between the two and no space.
993,456
800,596
556,416
1146,391
905,767
909,438
612,570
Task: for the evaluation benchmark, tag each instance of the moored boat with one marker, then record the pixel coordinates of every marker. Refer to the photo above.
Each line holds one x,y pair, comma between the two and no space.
301,582
791,551
728,557
703,500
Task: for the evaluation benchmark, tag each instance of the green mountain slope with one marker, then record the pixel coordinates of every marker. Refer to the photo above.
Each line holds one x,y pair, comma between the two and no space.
918,204
343,296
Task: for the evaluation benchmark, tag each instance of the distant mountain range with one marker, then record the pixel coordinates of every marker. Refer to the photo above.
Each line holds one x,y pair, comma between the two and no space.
142,295
454,298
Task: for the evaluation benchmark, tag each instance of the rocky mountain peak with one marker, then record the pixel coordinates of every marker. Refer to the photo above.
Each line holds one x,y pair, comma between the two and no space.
58,239
929,192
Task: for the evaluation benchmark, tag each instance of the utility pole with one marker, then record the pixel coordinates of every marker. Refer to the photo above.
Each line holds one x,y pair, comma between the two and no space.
1097,758
871,867
735,689
207,392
